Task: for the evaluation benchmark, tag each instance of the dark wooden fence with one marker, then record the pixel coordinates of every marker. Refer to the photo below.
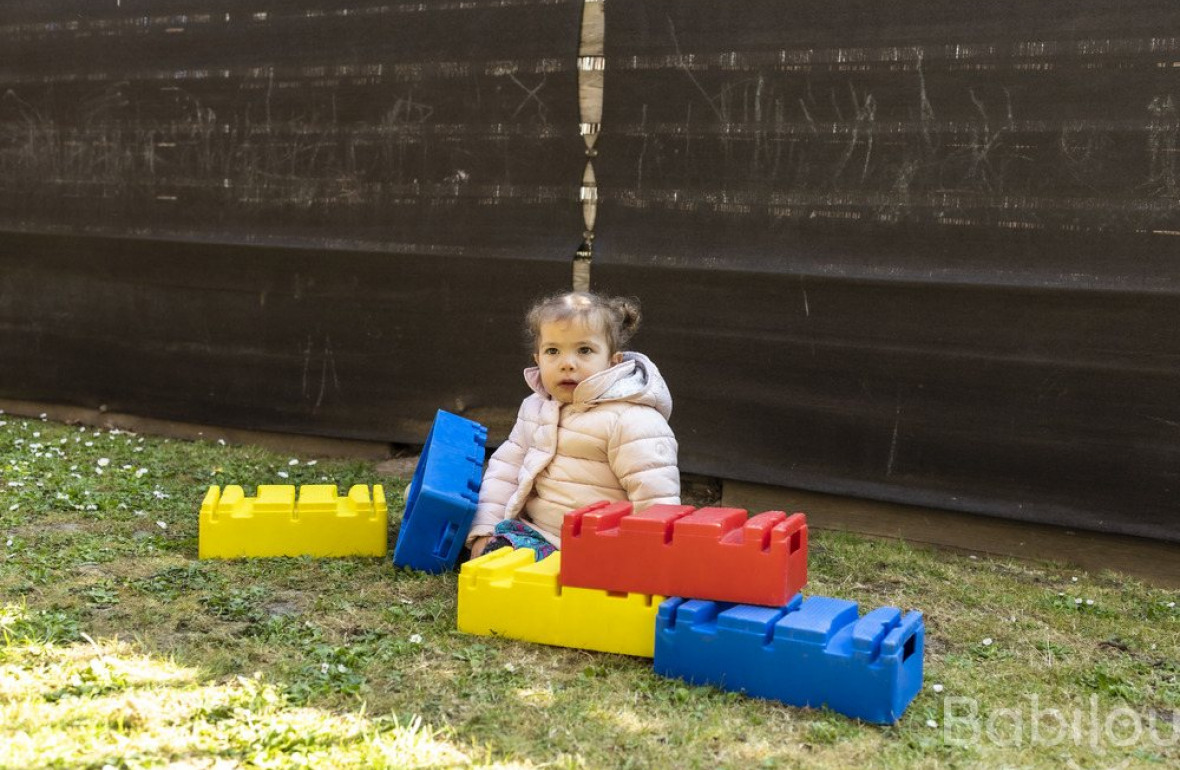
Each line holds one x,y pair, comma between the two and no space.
924,252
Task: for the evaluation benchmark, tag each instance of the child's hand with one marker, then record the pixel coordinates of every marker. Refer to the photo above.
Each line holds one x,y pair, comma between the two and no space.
478,544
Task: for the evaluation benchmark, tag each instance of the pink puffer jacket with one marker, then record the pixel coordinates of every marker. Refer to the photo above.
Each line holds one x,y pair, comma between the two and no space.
612,443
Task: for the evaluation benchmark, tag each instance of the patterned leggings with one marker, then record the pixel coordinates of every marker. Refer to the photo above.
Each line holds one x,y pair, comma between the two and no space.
512,533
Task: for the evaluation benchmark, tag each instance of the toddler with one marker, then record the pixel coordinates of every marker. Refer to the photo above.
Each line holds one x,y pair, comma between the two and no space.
595,428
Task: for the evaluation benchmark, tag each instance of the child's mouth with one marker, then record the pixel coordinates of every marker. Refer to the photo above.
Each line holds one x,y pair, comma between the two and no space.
568,383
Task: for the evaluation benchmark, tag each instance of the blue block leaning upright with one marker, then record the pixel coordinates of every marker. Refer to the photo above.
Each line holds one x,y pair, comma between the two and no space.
811,652
441,499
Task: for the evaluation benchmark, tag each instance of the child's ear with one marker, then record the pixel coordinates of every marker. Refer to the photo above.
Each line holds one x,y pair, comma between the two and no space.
537,359
617,358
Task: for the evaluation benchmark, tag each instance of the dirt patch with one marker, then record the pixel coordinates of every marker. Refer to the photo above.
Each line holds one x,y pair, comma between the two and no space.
699,491
398,467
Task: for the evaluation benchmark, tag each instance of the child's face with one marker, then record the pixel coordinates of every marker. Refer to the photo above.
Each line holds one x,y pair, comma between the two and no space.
569,352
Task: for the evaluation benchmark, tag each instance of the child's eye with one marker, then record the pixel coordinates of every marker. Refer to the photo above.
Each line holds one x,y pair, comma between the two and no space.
550,351
585,350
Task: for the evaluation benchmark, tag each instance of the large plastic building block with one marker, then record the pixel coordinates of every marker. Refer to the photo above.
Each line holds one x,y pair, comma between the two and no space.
507,593
441,499
276,523
710,553
810,652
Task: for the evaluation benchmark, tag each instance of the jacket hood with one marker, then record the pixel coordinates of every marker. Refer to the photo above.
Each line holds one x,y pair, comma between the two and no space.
635,380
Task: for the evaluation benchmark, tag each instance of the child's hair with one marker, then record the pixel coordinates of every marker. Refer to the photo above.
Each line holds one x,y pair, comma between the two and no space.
617,317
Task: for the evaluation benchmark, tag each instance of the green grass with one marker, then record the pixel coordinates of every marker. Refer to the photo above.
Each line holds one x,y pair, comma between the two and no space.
119,648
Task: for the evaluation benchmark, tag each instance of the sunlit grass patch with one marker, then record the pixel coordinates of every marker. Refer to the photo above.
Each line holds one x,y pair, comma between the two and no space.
104,703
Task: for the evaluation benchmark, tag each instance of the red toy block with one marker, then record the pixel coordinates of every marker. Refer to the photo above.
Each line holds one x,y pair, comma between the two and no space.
673,550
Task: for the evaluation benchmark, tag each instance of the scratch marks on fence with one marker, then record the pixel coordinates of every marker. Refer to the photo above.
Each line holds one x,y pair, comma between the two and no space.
531,96
107,25
269,163
1162,421
1033,55
364,129
1162,132
893,440
931,133
683,63
318,354
319,75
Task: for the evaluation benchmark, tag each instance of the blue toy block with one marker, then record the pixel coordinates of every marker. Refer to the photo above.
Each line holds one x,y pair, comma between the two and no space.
441,498
810,652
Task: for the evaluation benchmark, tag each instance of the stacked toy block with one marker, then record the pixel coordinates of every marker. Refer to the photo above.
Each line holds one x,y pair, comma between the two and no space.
508,593
674,550
745,628
811,652
442,496
277,522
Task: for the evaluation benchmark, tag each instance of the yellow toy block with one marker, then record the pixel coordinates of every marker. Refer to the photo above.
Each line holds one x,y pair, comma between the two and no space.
508,593
275,523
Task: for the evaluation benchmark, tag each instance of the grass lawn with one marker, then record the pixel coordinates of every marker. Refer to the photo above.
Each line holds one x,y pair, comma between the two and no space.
120,649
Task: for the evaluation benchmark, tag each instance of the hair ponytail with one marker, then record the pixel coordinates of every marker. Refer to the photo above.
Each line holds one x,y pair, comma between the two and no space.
627,315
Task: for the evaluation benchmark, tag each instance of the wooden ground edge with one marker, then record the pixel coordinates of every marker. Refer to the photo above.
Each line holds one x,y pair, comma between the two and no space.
307,446
1152,561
